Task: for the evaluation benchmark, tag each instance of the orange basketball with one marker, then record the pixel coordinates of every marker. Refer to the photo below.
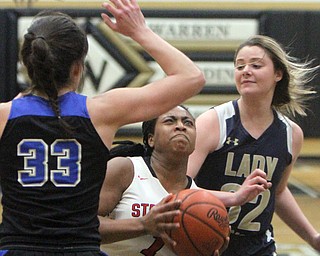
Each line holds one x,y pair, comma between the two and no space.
204,223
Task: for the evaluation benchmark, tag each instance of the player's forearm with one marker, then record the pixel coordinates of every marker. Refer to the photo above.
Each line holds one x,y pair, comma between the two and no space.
171,60
118,230
227,198
168,57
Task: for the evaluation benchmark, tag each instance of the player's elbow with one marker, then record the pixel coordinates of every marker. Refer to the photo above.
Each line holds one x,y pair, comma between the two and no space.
198,79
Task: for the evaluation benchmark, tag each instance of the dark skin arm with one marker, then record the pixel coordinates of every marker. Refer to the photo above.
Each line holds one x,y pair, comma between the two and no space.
118,177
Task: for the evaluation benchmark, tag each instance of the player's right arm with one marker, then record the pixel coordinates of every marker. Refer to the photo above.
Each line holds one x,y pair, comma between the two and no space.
255,184
208,133
118,177
4,115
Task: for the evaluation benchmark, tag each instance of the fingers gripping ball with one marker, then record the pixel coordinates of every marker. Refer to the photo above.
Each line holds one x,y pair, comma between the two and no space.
204,223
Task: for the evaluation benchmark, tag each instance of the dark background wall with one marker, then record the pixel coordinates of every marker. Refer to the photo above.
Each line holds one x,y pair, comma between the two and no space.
299,32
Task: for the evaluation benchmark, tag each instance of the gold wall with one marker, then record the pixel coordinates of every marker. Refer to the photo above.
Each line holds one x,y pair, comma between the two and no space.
235,5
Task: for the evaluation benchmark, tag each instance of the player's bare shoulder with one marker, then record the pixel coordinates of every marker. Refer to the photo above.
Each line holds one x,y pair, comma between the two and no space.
121,170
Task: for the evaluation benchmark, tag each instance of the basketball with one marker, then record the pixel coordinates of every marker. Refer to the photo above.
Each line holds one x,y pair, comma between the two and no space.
204,223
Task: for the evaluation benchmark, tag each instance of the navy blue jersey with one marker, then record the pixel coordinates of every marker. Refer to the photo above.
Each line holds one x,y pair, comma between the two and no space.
50,182
237,155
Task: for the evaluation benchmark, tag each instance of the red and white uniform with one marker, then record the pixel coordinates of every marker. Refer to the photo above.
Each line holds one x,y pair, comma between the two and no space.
144,192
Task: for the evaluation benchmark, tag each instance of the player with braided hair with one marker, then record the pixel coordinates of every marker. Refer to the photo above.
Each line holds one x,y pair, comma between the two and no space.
54,142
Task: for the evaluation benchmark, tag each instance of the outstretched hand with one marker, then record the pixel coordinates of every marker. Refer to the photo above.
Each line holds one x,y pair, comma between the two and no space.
158,221
129,19
253,185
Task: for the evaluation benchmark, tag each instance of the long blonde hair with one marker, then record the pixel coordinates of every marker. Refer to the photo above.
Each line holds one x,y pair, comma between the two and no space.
290,93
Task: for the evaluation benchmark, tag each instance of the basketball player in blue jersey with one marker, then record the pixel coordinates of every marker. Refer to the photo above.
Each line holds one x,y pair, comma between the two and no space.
134,186
55,142
255,132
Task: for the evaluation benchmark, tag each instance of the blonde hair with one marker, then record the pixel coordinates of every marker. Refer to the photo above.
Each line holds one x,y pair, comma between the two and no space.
290,93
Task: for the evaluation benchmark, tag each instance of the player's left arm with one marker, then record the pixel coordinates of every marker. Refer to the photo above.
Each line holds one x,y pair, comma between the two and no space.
286,206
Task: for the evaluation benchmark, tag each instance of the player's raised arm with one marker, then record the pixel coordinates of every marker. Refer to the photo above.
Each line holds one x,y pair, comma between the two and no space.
182,80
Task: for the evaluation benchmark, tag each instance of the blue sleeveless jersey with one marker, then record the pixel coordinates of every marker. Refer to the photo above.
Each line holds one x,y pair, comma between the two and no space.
237,156
50,182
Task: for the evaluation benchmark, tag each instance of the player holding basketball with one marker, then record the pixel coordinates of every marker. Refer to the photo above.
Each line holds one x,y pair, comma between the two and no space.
133,188
254,132
55,143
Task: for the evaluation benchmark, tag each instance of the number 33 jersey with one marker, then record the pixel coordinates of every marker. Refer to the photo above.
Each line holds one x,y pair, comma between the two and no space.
237,155
50,180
